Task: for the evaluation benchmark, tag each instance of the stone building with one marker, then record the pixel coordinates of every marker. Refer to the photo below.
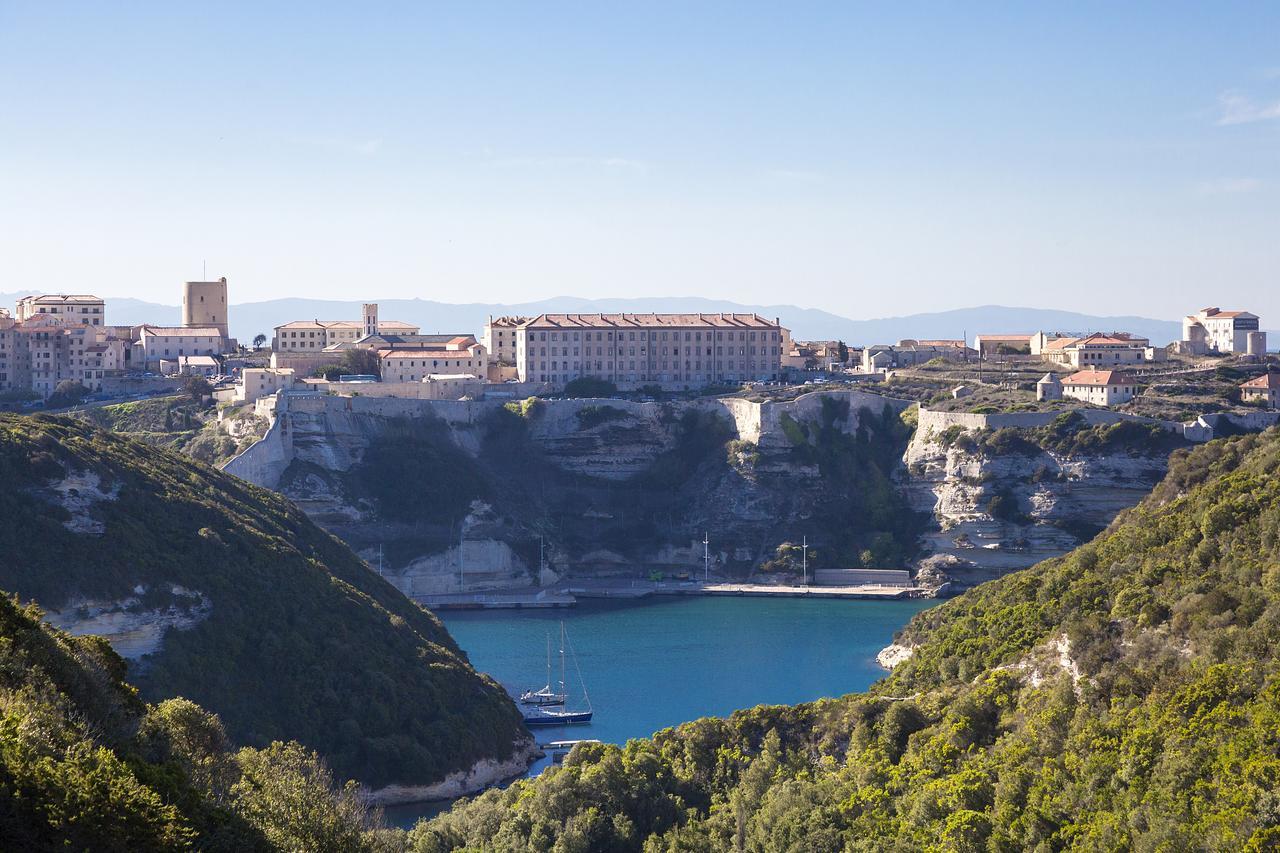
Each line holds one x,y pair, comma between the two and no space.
631,350
499,338
1100,387
1263,389
1049,388
414,365
1212,330
71,309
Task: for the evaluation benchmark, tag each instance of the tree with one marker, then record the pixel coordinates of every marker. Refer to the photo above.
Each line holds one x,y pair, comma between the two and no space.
68,393
590,386
362,362
842,352
196,387
258,340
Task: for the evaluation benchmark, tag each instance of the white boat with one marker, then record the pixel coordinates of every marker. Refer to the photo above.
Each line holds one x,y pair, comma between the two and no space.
557,715
545,696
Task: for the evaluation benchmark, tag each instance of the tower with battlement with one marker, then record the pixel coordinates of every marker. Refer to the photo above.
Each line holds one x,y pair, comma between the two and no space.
204,304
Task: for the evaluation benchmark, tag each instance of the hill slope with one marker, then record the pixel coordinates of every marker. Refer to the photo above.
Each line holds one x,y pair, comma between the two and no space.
1125,696
271,623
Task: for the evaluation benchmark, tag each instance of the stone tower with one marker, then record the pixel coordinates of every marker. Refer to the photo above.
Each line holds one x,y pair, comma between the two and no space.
371,318
204,303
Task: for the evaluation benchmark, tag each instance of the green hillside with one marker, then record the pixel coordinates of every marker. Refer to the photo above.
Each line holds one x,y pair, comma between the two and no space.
1123,697
85,765
293,637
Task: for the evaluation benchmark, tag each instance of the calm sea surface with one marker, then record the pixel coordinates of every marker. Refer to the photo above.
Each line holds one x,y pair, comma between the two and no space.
658,663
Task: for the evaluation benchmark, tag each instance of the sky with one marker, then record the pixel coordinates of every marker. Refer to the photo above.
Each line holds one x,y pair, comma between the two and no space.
869,159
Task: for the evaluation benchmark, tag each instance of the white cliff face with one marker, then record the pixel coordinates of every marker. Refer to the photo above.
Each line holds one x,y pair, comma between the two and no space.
1047,502
133,629
77,493
483,774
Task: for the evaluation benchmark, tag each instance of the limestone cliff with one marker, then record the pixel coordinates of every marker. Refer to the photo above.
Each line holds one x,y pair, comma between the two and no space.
477,495
1007,499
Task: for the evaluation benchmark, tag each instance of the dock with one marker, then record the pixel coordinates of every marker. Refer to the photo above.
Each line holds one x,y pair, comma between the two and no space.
513,599
569,594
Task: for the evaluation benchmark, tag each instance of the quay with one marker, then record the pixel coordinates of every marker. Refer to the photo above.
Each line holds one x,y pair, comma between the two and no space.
568,594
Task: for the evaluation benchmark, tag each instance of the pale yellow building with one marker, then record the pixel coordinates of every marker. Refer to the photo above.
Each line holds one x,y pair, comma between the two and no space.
414,365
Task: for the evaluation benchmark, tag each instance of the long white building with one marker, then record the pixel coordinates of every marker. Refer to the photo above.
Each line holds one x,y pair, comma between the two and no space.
630,350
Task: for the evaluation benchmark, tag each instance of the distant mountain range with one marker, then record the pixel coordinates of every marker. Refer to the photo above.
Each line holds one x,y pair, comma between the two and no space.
252,318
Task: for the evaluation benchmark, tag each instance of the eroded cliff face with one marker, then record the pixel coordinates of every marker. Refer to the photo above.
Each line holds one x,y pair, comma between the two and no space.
473,495
998,512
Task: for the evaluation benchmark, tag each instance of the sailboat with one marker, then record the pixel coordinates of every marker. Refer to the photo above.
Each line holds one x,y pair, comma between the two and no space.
550,715
545,696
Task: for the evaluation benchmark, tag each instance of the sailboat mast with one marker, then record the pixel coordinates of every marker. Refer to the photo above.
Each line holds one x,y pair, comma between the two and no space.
548,660
562,658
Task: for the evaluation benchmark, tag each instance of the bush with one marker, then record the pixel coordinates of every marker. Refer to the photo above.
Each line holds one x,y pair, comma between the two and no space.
69,392
590,386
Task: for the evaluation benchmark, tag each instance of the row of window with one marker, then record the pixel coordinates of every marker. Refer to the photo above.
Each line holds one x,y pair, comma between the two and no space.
654,336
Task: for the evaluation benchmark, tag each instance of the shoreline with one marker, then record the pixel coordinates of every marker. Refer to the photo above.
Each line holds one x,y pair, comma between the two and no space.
570,593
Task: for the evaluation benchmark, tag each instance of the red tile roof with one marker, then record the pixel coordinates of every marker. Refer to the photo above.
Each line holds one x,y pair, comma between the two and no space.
425,353
1266,381
635,321
1100,377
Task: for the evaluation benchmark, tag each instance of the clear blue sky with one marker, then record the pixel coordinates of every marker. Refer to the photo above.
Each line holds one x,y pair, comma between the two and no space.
871,160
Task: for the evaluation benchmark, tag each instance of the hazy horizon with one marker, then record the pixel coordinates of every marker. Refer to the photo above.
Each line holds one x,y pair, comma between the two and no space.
868,162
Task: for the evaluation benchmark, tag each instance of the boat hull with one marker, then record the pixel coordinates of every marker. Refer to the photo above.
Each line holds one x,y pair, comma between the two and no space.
564,718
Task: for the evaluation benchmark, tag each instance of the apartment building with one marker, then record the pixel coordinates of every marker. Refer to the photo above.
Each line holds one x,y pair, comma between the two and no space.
499,338
72,309
1100,387
671,350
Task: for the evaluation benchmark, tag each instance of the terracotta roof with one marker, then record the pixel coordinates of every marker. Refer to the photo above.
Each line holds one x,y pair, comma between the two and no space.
1266,381
1214,312
939,343
507,322
636,321
425,353
1100,377
63,298
343,324
183,331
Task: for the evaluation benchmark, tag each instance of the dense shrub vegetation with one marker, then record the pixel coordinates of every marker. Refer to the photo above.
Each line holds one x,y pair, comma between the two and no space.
301,641
85,765
183,423
1125,696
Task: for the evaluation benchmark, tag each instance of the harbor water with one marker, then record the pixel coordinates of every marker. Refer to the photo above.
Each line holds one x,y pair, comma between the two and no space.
661,662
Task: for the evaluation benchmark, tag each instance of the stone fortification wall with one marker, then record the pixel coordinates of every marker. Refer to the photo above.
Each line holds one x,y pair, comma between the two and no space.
937,422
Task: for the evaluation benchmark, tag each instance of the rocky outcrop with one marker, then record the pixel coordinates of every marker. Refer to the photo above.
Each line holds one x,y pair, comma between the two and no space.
133,628
483,774
593,485
997,512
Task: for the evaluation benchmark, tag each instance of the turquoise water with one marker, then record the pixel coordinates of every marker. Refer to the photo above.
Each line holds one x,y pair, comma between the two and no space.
662,662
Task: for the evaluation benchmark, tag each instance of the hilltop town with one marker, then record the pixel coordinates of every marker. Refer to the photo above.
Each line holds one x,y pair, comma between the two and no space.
61,349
